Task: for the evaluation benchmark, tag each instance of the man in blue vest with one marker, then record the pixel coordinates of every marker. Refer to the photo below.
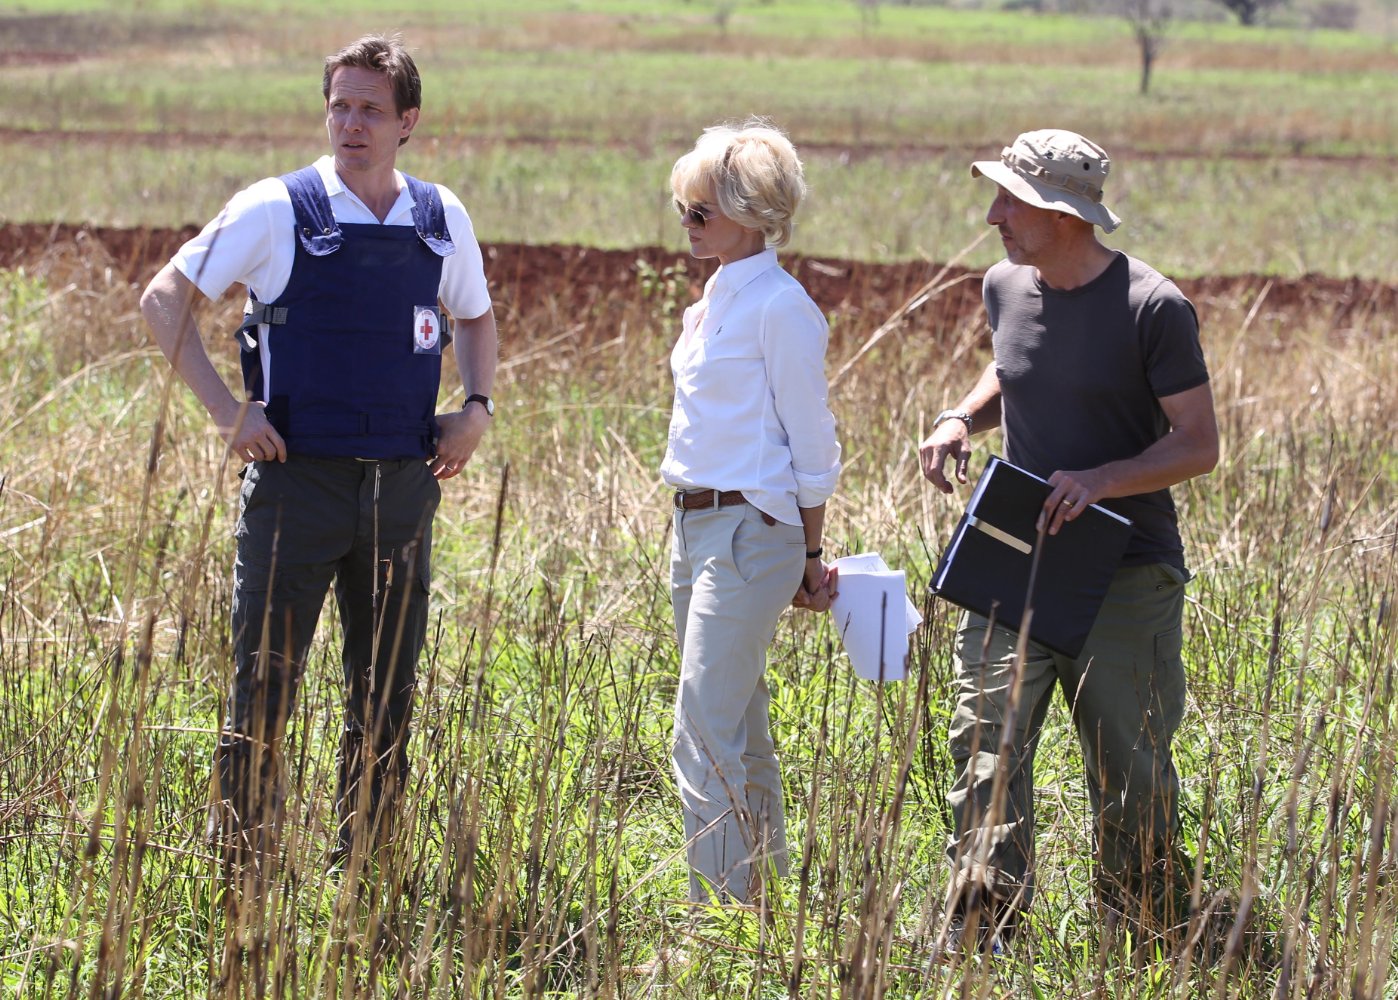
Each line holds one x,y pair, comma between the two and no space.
347,264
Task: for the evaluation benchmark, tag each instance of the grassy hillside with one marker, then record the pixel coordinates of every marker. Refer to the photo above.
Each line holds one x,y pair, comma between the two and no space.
1260,150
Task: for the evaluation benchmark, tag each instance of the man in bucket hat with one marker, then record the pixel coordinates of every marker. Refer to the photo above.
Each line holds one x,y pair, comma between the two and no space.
1099,383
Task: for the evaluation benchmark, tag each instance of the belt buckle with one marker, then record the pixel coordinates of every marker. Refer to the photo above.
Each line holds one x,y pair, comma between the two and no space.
678,500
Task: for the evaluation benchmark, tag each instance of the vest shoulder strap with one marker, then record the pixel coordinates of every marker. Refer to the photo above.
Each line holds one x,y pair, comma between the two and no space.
316,227
430,217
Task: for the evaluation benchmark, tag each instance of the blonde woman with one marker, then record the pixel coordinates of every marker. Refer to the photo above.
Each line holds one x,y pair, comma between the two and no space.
752,458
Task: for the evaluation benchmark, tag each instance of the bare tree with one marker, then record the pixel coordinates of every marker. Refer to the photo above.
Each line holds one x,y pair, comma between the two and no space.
868,14
1247,10
723,13
1149,20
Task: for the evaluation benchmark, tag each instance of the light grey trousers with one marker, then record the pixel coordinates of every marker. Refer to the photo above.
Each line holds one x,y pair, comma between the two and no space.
731,575
1126,695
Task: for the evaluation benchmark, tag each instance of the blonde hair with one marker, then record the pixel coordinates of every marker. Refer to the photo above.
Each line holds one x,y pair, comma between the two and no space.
751,171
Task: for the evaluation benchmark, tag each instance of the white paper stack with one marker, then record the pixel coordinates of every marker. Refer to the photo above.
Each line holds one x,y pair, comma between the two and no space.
874,616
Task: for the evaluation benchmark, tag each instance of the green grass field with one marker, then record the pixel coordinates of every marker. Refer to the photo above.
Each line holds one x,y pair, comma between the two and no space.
1262,151
542,856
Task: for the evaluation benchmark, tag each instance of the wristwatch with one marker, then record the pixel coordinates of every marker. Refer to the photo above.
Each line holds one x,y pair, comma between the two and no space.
961,415
483,399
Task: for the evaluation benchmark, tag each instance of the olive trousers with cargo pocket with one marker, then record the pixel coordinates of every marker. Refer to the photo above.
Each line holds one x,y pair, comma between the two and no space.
1126,696
366,527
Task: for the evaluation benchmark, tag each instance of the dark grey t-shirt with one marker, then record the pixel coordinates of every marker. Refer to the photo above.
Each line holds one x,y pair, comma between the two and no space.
1081,373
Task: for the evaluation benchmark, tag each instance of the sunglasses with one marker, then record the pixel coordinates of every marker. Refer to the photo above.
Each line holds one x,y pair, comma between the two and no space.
692,215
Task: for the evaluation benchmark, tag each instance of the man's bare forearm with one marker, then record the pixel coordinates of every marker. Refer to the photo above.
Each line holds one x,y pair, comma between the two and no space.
167,305
477,349
982,403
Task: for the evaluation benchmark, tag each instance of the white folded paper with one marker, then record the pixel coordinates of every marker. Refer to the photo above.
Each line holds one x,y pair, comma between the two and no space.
873,616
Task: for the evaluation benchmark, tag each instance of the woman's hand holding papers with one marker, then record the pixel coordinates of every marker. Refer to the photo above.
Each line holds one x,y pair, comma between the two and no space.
818,587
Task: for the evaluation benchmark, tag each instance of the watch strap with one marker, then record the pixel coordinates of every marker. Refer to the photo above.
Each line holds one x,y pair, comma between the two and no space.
961,415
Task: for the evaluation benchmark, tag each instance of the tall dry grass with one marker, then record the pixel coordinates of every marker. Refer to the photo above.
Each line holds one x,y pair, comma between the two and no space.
542,849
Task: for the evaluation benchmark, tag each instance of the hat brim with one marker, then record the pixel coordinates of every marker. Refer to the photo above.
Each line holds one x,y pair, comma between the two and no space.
1044,196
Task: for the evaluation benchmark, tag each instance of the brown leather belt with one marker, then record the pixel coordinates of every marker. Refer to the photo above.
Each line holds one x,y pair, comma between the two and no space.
699,499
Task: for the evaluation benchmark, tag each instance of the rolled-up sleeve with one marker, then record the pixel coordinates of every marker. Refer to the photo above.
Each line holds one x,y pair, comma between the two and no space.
794,341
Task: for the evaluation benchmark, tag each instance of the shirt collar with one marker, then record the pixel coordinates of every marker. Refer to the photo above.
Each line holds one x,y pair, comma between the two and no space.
334,185
729,278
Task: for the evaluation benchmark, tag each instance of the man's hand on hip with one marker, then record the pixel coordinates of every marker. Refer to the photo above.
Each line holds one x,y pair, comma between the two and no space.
460,432
251,436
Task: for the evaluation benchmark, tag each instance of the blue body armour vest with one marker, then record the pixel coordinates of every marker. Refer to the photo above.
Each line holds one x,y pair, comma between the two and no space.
344,378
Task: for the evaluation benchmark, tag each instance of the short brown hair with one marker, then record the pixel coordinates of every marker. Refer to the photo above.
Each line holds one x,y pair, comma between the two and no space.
383,54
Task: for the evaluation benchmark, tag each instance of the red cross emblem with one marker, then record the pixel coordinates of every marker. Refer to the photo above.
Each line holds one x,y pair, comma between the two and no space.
425,328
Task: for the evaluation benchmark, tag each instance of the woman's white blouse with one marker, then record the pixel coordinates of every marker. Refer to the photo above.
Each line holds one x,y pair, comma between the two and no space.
750,407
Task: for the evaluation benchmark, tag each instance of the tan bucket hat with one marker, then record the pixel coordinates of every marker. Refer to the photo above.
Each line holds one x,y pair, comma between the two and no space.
1055,169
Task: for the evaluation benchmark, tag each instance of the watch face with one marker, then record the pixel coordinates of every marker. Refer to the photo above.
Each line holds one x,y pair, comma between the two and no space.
489,406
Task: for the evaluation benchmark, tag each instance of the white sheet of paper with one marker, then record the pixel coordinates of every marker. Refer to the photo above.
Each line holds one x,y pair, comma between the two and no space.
869,593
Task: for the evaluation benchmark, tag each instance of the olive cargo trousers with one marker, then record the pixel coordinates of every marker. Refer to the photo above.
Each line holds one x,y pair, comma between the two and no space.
1126,695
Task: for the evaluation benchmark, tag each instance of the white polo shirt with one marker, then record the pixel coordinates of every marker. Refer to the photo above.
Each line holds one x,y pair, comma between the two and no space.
252,242
750,410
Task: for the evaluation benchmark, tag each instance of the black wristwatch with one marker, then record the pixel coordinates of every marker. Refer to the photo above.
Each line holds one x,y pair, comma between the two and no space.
483,399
